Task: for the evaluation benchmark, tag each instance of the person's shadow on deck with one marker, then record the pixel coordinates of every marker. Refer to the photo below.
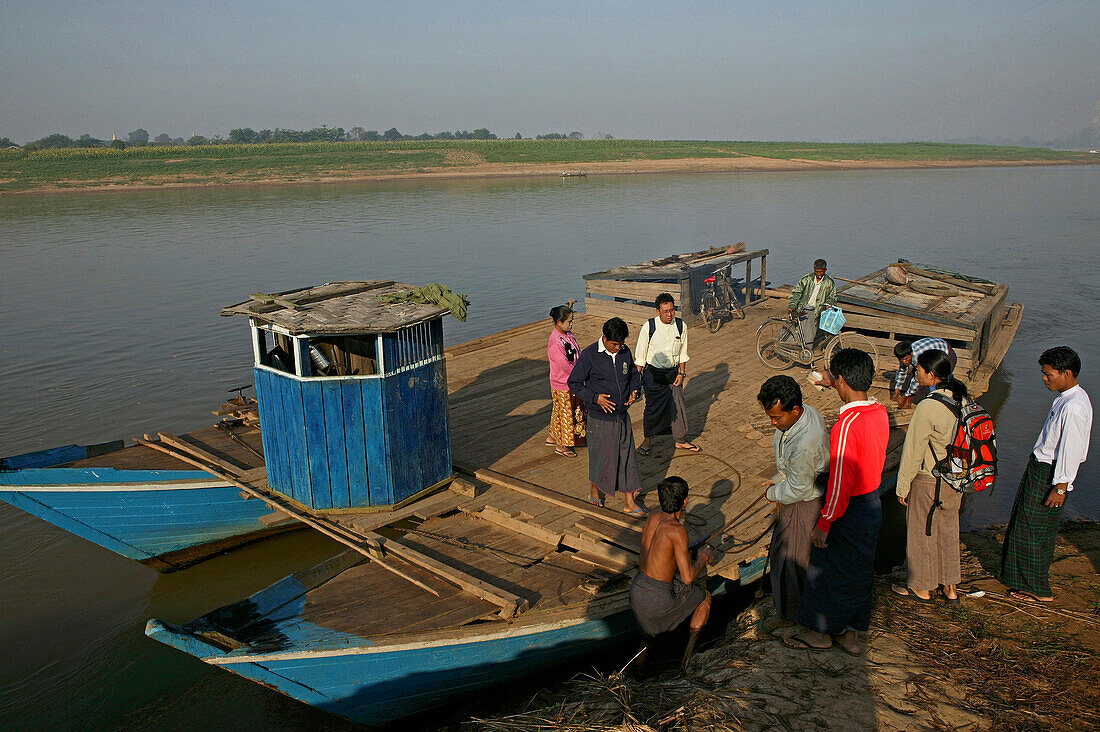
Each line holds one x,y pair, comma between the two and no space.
502,408
700,394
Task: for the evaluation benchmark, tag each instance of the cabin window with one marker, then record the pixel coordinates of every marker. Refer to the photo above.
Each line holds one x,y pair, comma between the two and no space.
351,355
414,345
274,350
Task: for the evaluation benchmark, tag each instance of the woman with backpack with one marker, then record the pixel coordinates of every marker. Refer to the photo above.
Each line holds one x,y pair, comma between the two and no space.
932,512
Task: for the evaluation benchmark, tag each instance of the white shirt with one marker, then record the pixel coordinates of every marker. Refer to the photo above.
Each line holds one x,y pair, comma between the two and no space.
1064,440
667,348
813,293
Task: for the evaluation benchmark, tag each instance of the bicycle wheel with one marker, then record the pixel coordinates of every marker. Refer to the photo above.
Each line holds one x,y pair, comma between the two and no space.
776,345
851,340
738,310
710,312
735,308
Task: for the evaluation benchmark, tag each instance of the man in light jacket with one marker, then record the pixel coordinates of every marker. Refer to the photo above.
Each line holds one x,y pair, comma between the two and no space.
813,293
801,443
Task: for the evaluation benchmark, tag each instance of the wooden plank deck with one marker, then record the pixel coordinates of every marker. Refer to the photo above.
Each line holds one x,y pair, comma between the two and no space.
500,409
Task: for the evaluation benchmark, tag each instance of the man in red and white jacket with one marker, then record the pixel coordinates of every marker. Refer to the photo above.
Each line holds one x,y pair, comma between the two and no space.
836,600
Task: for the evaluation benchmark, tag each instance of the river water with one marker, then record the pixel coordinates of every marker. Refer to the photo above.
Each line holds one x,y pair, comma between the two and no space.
110,329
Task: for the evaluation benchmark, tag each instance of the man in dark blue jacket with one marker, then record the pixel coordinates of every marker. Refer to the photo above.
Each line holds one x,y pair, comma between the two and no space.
606,379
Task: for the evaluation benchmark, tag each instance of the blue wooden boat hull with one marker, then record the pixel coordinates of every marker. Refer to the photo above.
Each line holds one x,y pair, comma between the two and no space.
165,519
375,683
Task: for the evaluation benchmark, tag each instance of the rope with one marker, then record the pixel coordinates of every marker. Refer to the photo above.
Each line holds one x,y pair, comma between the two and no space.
228,428
933,288
735,480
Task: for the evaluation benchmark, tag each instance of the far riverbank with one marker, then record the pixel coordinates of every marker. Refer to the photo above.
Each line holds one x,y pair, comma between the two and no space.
140,168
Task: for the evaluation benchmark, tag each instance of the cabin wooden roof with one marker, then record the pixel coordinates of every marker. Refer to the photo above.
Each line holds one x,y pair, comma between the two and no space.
337,308
675,267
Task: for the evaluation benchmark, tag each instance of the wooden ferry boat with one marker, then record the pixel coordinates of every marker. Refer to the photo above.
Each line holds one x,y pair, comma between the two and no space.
506,569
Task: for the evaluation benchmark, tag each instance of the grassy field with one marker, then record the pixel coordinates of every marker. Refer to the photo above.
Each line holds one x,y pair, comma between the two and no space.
75,168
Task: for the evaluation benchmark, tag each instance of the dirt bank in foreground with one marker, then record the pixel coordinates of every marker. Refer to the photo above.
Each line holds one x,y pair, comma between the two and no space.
989,663
745,163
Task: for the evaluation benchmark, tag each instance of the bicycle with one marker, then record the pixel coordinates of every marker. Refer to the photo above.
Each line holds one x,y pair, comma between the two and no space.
779,343
720,302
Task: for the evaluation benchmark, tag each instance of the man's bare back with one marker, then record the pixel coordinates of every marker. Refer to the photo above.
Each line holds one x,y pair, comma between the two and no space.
665,549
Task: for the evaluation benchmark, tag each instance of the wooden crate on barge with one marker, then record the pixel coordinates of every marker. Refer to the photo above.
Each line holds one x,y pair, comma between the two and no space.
966,312
629,292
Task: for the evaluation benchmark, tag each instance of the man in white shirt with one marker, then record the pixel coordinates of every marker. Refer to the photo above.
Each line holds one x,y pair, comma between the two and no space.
1062,446
662,358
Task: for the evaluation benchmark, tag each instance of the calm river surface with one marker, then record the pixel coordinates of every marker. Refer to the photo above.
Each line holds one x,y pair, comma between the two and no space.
110,329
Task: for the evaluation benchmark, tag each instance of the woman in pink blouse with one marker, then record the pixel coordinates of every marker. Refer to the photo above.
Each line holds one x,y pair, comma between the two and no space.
567,422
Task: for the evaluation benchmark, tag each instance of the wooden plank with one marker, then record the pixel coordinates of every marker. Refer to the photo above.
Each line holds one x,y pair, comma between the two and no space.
401,403
380,478
629,540
332,397
355,446
317,442
368,521
870,320
633,314
605,555
553,497
677,265
294,424
510,604
275,518
645,292
505,520
898,309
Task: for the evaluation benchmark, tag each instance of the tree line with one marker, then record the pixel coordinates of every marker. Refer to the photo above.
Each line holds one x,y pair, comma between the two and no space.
249,136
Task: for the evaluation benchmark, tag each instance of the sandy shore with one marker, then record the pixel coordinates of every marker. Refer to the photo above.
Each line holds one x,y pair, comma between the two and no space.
989,663
745,163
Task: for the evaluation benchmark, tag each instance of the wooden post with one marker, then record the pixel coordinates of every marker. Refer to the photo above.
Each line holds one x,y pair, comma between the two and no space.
748,280
763,275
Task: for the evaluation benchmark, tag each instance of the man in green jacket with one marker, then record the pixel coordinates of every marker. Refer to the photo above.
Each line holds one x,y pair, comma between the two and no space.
811,296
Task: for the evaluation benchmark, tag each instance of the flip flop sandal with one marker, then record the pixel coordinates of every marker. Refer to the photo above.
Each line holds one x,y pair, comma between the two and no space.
692,447
596,501
638,512
841,646
798,642
910,595
1028,597
566,451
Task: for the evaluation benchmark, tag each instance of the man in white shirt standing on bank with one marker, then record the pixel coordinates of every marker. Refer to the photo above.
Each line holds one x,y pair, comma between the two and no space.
1062,446
662,358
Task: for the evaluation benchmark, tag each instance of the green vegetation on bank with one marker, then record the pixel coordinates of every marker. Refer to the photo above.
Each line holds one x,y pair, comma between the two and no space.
74,168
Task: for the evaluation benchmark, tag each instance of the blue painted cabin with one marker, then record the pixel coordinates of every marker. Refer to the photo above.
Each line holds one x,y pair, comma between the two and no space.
352,395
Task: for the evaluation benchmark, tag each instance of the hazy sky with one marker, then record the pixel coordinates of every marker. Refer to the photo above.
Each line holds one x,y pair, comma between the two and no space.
777,70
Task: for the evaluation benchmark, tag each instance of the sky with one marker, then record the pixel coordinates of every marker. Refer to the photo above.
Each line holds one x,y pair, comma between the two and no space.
733,70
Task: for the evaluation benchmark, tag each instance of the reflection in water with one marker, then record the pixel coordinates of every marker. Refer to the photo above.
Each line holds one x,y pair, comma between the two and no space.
110,329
